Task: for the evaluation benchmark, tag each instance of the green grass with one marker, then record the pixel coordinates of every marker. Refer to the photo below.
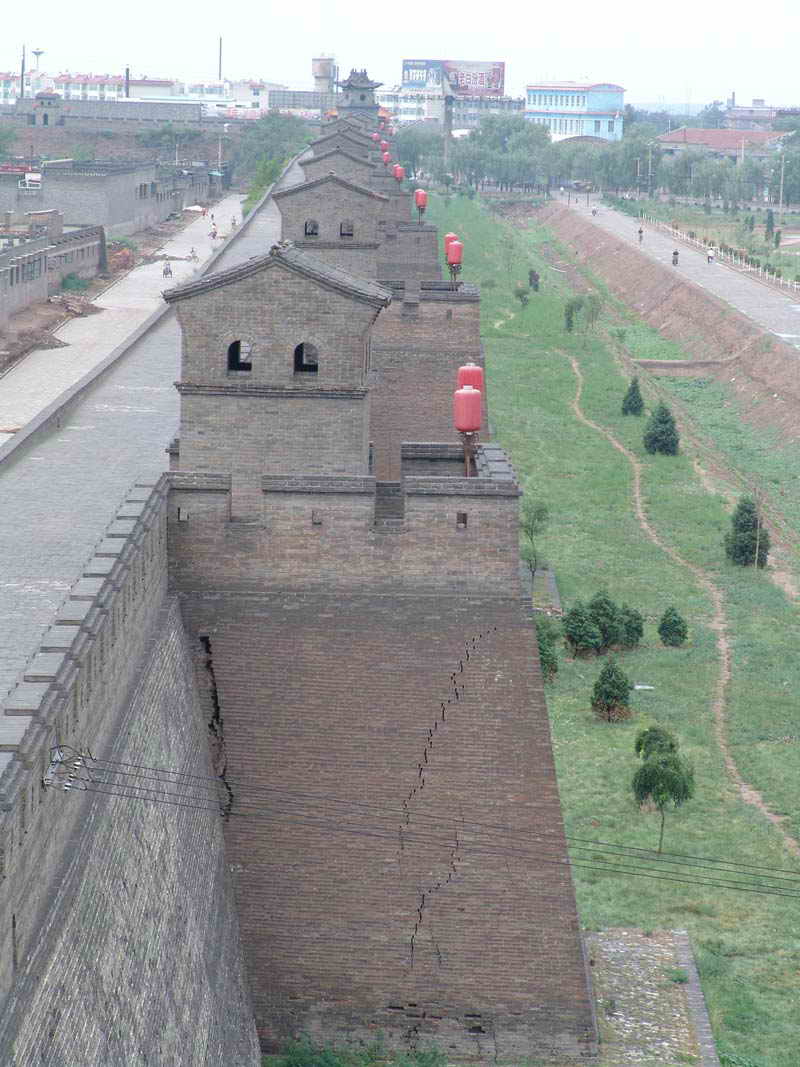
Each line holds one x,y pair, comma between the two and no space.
748,945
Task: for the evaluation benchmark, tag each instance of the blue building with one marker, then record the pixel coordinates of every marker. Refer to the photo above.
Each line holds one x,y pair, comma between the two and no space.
569,109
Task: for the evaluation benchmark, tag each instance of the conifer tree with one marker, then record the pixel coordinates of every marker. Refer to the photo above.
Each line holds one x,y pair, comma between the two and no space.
548,660
661,433
580,631
632,403
748,541
632,626
673,629
611,693
605,615
654,739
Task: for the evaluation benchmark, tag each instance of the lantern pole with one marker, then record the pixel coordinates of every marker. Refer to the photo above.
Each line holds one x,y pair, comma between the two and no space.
469,439
455,270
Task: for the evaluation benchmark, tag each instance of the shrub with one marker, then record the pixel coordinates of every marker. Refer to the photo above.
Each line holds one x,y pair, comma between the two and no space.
661,434
748,537
72,283
632,403
605,615
632,626
580,631
571,311
521,293
548,660
611,693
672,629
654,739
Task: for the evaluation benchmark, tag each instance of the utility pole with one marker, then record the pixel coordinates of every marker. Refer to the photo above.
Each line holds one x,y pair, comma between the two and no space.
650,172
22,76
780,195
219,75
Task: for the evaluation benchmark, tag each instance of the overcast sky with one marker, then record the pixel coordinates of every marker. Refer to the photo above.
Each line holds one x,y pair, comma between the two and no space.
675,51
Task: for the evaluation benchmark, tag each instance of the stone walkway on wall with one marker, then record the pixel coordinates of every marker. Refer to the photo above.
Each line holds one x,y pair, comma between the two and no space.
650,1008
59,491
775,311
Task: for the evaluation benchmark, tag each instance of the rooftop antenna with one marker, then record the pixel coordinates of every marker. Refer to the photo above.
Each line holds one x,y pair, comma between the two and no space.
219,76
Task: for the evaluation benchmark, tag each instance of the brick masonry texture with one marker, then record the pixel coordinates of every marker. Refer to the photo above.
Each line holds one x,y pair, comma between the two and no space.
372,896
351,165
112,908
378,683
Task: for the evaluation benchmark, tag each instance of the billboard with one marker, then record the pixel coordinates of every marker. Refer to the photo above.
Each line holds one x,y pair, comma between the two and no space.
461,77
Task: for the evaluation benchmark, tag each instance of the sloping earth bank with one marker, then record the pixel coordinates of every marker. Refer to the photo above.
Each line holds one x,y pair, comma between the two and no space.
722,343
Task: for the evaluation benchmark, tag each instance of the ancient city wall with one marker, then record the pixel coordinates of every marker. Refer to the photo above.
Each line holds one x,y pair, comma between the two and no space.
112,909
410,251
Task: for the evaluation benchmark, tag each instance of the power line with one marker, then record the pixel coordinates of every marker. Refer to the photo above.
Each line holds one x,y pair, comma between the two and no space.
414,837
580,842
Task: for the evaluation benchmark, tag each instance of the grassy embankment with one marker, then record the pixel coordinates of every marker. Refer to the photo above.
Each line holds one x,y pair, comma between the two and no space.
748,945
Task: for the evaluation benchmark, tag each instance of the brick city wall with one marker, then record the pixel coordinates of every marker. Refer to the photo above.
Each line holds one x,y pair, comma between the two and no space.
409,252
118,938
373,735
319,533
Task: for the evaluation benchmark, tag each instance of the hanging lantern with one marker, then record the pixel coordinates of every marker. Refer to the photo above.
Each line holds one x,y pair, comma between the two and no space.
455,251
376,137
454,254
387,159
384,146
399,173
448,237
467,409
470,374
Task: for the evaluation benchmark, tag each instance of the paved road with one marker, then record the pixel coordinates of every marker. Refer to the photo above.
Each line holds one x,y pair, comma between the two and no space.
775,311
58,494
44,374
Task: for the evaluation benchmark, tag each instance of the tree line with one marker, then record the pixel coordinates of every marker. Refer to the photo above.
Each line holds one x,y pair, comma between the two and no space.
510,153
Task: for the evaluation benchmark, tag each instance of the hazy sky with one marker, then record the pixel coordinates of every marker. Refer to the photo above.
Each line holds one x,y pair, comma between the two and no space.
674,51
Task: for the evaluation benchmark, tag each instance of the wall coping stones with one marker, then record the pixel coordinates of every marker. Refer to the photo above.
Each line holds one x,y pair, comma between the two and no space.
200,481
26,699
242,389
73,612
87,589
122,528
110,546
274,483
12,730
44,667
479,487
345,245
60,638
99,566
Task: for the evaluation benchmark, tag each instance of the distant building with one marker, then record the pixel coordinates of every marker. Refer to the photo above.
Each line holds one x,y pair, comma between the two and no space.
573,109
755,116
731,144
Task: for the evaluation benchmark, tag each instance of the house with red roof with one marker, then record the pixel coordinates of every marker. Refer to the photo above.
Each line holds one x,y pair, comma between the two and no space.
733,144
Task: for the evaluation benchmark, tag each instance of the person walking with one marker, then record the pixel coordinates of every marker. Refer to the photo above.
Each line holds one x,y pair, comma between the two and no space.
641,234
710,253
675,258
167,271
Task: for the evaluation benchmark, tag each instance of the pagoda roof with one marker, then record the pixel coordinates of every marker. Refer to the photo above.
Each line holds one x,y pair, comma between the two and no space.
358,79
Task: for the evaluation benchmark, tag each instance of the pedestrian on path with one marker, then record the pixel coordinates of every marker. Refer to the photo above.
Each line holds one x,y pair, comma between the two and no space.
675,258
710,253
641,234
167,271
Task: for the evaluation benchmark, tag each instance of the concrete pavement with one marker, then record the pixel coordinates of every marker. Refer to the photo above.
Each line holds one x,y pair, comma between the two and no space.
38,379
775,311
59,491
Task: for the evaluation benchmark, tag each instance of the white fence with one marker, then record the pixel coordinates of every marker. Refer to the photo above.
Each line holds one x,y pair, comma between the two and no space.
730,258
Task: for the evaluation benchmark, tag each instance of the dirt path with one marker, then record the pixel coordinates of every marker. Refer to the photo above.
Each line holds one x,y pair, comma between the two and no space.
718,621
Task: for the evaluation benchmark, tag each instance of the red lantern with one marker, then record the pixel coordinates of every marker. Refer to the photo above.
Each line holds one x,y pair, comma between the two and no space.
467,409
399,173
387,159
421,199
384,146
470,374
395,169
455,251
376,137
448,237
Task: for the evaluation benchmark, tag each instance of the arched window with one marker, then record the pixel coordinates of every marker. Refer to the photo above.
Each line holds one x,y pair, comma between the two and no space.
306,359
346,228
238,352
312,228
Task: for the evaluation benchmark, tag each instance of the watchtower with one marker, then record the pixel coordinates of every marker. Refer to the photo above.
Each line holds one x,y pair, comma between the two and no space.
358,98
264,385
